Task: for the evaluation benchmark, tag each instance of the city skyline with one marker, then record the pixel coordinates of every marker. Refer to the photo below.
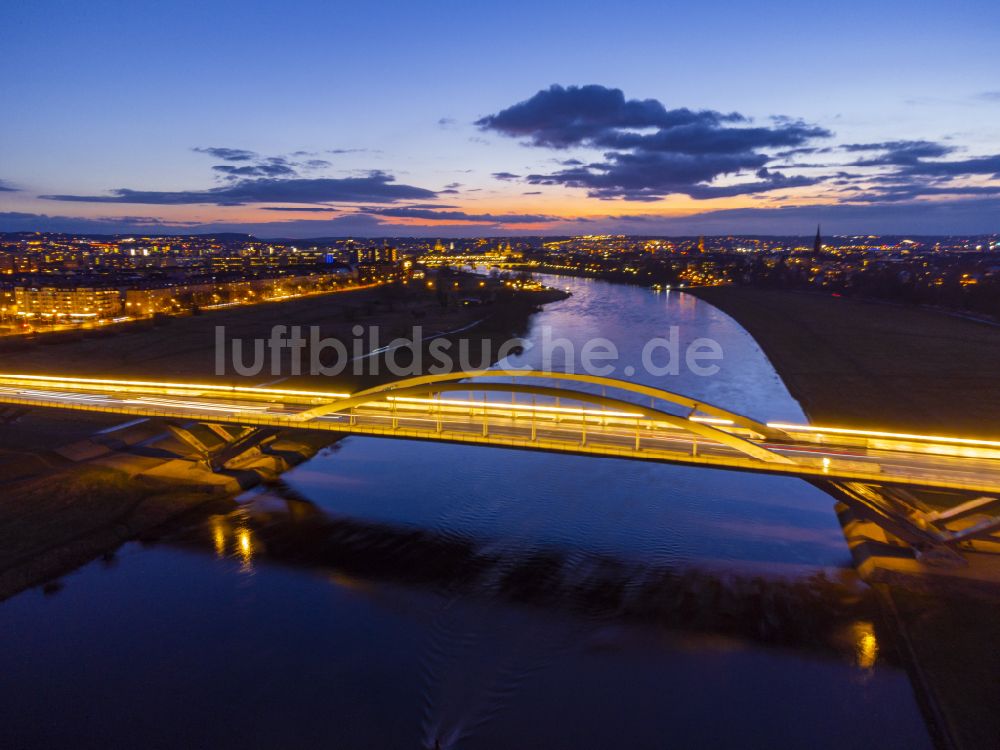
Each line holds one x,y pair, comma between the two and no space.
490,121
499,375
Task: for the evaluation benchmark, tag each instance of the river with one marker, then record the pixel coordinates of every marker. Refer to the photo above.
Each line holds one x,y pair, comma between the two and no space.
393,594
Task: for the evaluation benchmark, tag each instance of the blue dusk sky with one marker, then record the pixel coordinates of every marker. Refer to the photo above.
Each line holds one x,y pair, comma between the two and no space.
309,119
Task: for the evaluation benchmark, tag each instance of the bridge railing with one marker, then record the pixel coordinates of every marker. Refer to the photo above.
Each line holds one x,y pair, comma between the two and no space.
884,440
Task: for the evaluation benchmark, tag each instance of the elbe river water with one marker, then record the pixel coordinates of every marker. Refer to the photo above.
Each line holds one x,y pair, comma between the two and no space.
394,594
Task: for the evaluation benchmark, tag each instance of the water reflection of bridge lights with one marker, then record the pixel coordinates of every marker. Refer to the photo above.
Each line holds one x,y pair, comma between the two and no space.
244,545
240,538
866,646
219,539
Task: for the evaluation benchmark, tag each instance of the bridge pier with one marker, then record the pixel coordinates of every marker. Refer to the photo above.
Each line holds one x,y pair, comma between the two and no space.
904,516
233,446
252,437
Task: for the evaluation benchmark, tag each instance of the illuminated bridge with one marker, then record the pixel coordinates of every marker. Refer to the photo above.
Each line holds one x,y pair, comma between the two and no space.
578,414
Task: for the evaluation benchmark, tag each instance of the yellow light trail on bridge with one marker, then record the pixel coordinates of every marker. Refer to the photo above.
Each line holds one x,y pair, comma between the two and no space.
108,384
97,384
819,430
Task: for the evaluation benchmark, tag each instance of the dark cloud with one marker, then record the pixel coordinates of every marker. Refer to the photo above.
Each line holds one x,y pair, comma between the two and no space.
898,153
969,216
374,187
5,188
916,168
271,167
227,154
315,209
16,221
804,151
253,178
650,151
706,137
909,192
244,164
560,117
430,206
505,176
650,176
357,224
983,165
419,213
918,148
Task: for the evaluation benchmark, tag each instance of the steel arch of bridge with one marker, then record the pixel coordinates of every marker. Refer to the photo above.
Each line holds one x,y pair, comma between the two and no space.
450,382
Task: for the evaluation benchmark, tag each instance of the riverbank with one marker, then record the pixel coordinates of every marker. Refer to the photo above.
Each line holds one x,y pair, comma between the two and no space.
63,507
865,364
871,365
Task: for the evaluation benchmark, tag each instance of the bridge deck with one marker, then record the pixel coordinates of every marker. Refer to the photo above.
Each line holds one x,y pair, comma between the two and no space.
875,457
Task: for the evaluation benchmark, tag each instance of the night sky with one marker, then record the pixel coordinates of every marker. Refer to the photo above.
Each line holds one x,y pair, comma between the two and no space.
311,119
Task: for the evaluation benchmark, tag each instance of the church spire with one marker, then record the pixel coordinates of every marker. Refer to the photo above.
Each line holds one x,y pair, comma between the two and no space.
818,242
